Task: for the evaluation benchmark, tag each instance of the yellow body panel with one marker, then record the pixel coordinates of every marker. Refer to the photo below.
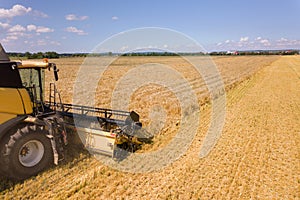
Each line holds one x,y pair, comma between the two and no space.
4,117
14,102
26,100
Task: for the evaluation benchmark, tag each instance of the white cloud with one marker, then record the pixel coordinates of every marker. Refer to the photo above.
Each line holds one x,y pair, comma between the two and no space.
39,29
256,44
16,10
73,29
12,37
282,40
39,14
55,43
19,10
17,28
265,42
41,42
42,29
83,18
72,17
114,18
286,43
244,39
4,25
17,34
124,48
31,27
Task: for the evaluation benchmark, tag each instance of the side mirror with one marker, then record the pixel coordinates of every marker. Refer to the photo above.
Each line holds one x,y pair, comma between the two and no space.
55,70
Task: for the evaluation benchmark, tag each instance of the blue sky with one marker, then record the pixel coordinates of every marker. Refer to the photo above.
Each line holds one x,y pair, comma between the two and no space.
78,26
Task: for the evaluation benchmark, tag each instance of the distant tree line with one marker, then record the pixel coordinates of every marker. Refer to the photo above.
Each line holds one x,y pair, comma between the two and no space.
149,54
53,54
219,53
38,55
257,52
64,55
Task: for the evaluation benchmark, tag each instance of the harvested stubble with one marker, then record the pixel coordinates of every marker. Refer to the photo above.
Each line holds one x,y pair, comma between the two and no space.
256,157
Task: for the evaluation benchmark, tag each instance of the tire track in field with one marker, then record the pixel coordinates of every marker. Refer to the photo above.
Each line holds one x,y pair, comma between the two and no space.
263,101
233,97
250,145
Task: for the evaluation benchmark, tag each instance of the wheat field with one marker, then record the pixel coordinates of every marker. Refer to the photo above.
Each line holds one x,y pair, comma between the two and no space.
256,157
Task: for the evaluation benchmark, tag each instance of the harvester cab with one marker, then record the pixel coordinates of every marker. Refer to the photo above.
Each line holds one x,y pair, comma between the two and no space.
33,80
33,131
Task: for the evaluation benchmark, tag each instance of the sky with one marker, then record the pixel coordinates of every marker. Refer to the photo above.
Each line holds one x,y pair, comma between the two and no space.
69,26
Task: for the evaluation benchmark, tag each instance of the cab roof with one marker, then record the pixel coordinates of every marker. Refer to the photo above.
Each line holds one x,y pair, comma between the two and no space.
33,64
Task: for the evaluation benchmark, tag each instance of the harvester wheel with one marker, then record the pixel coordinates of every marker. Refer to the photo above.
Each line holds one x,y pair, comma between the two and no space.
28,151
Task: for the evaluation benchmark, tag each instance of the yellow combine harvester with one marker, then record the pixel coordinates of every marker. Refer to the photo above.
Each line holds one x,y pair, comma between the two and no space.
33,132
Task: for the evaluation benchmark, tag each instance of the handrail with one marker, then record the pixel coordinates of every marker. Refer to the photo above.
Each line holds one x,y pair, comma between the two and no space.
91,111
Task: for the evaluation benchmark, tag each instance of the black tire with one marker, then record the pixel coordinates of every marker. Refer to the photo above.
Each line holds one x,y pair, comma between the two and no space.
3,165
3,143
27,152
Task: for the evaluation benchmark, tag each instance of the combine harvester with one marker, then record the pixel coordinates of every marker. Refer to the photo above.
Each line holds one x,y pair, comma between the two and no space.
33,132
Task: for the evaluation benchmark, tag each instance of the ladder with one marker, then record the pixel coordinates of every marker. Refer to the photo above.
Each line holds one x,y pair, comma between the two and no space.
53,94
